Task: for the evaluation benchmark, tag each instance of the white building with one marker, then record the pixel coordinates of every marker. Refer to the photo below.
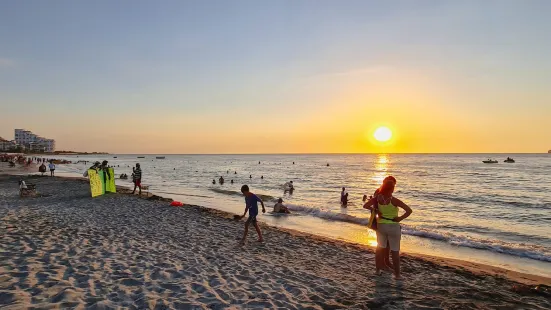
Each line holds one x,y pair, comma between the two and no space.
34,142
6,145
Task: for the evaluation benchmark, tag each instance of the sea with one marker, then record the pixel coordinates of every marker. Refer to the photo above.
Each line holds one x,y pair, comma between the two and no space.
495,214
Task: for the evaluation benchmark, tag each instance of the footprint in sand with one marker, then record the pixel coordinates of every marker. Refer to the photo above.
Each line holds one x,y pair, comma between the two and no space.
131,282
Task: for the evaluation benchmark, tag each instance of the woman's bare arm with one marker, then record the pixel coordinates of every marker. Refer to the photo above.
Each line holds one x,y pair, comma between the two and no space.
404,206
369,204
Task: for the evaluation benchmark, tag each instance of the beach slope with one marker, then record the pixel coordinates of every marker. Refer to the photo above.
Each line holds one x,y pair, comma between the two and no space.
67,250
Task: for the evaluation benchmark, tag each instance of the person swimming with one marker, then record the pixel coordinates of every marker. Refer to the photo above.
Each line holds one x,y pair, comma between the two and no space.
231,181
213,182
221,180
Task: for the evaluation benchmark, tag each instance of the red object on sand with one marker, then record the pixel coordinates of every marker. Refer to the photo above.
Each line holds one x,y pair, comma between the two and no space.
176,204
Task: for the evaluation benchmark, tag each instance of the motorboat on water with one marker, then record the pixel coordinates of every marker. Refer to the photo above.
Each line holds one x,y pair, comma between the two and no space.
160,157
490,161
141,156
509,160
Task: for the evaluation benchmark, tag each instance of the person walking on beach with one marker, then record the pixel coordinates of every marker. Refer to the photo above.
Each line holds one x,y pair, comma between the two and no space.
251,205
137,179
388,224
52,168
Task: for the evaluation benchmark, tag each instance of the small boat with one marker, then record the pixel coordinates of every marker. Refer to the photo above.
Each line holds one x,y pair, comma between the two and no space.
490,161
141,156
114,156
509,160
160,157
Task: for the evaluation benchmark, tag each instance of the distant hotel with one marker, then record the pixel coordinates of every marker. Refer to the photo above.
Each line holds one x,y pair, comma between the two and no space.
33,142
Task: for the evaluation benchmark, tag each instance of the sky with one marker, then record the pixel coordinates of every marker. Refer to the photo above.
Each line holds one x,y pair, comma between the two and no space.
286,76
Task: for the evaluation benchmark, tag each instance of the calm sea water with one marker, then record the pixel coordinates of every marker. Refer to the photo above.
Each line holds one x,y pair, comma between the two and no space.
498,214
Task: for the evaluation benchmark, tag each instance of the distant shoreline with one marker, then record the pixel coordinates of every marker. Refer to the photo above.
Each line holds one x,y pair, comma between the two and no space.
68,153
298,154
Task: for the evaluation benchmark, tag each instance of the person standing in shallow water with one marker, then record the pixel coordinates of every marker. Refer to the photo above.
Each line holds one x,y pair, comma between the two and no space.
344,197
388,225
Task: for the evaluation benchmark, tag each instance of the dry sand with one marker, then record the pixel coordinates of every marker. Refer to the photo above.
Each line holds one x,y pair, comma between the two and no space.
67,250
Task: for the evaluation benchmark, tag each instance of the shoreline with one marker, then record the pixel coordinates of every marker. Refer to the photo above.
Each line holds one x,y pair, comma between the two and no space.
473,267
64,249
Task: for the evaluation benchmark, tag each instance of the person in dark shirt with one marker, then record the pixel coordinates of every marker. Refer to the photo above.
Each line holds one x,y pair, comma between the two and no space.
251,205
105,167
137,178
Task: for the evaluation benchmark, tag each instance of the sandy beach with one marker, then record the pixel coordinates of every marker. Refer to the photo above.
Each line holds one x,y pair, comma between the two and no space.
64,249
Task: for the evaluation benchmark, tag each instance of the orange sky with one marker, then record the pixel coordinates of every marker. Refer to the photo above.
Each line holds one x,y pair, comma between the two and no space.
311,78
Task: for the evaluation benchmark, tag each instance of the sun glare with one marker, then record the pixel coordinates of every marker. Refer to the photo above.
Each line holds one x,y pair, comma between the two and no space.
382,134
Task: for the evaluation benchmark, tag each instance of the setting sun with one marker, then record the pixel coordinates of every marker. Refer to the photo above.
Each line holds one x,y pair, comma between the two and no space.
382,134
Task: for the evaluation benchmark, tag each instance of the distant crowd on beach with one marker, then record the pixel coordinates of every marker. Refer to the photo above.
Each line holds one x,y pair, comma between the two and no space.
27,162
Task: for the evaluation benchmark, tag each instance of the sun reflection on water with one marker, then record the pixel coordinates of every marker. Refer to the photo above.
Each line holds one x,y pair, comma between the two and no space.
367,237
382,165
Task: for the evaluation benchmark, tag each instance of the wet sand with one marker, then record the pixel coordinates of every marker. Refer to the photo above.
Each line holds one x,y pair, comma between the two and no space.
67,250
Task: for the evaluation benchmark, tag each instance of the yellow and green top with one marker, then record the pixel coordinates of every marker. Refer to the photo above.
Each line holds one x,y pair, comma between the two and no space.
389,211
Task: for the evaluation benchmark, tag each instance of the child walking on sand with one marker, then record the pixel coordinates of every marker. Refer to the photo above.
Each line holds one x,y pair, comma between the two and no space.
251,205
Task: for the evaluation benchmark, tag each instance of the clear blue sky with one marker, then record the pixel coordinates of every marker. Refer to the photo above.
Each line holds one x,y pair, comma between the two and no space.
277,76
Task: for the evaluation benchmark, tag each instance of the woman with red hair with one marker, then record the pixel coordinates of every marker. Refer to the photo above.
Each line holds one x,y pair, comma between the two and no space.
389,232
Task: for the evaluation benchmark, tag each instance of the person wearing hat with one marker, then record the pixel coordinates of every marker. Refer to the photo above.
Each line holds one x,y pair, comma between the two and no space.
280,208
105,167
137,178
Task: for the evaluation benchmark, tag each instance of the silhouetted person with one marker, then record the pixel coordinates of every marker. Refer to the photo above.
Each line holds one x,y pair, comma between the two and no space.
344,197
137,178
52,168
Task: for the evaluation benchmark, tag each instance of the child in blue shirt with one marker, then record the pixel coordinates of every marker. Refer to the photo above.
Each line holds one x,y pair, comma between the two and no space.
251,205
